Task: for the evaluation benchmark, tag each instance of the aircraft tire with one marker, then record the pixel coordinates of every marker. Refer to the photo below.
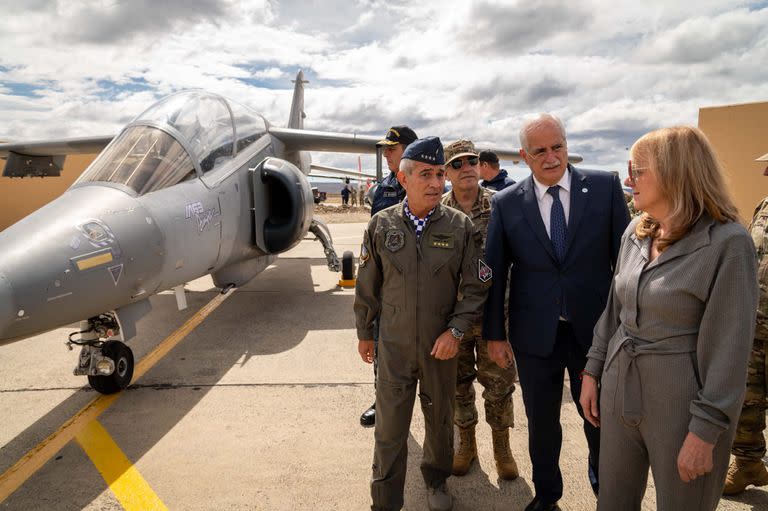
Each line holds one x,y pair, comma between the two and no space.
122,356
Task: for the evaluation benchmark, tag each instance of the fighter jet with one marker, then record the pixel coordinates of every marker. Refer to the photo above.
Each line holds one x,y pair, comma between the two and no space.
197,184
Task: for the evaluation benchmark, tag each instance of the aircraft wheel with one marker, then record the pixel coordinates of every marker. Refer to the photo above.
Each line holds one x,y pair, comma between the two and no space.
122,356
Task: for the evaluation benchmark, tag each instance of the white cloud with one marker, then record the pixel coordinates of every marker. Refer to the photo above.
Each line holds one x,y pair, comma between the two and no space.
611,70
704,38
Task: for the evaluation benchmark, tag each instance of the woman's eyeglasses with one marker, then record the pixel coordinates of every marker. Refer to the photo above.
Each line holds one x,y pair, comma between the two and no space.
634,171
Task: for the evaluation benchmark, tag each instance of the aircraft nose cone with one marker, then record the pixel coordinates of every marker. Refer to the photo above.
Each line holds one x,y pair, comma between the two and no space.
6,305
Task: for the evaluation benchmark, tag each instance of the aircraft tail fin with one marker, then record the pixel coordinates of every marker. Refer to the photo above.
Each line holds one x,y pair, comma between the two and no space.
297,115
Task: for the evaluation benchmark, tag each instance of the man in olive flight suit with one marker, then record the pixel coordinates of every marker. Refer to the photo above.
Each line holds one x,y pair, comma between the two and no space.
385,194
416,258
461,164
748,449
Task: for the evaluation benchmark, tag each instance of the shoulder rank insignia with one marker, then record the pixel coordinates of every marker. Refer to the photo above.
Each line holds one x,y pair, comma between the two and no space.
394,239
484,272
438,240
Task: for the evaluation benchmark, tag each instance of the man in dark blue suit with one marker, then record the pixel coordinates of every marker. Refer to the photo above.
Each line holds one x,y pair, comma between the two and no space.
557,233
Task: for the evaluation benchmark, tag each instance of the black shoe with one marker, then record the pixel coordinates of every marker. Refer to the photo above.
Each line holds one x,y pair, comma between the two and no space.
542,505
593,480
368,418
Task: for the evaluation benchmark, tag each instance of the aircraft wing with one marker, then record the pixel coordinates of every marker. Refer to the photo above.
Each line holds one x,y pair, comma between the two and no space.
338,172
514,155
42,158
294,140
340,178
307,140
56,147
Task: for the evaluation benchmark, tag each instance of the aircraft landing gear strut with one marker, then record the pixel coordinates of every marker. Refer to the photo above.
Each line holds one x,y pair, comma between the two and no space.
107,363
323,234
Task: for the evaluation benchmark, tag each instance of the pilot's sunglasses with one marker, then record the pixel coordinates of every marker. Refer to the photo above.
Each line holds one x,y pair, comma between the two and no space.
457,164
634,171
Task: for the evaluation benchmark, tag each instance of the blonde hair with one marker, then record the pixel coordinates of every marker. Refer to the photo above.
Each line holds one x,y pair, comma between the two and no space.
690,177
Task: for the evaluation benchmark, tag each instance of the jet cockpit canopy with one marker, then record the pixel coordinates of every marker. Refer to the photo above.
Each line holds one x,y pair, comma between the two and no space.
182,136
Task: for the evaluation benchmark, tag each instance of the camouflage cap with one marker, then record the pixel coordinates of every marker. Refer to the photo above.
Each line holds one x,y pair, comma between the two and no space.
458,149
763,157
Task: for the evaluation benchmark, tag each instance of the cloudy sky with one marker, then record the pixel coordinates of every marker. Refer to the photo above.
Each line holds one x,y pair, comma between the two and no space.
611,69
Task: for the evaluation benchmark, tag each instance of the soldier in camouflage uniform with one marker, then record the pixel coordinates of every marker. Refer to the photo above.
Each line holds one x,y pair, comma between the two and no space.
475,201
748,449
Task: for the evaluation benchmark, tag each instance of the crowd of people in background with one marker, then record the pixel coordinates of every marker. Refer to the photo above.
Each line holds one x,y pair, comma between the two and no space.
351,195
651,303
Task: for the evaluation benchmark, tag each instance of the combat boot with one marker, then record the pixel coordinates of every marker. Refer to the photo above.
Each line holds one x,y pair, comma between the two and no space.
467,451
438,499
742,473
505,462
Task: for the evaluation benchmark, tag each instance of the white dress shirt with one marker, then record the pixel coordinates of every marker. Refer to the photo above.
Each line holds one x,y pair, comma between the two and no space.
545,200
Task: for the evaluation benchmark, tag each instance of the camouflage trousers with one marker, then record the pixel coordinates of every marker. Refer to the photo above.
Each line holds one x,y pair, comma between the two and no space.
750,441
498,383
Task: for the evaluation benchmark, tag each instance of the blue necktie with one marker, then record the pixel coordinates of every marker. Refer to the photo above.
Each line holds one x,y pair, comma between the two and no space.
558,230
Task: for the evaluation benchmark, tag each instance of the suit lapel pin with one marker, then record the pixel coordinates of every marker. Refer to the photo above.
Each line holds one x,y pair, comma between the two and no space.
584,190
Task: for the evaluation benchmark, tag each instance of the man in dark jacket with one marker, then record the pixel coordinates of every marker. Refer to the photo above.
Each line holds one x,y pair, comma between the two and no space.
559,230
389,192
493,176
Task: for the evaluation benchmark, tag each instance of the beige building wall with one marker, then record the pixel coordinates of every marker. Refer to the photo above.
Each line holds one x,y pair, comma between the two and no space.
21,196
740,134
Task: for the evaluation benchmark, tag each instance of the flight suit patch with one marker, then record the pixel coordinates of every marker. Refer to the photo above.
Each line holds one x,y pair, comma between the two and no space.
484,272
390,195
394,240
364,255
438,240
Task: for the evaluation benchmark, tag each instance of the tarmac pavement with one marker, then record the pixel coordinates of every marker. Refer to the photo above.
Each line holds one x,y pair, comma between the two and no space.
258,408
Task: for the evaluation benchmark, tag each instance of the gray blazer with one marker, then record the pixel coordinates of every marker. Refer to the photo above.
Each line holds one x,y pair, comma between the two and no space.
699,296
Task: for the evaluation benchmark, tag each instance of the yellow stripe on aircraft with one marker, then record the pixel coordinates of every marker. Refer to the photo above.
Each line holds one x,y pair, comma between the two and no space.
133,492
97,260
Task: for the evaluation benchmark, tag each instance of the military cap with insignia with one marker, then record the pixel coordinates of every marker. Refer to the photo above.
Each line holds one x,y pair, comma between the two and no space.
458,149
425,150
398,135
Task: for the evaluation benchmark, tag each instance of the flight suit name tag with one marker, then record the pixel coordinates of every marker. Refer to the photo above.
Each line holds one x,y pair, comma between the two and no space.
390,195
438,240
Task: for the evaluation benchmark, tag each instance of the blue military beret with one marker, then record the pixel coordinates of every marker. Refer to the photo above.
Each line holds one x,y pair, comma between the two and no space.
425,150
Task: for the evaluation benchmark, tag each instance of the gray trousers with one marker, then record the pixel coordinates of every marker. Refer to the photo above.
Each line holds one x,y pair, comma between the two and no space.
401,367
669,384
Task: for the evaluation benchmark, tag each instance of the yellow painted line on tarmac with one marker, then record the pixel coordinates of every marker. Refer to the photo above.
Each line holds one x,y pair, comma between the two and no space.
39,455
125,481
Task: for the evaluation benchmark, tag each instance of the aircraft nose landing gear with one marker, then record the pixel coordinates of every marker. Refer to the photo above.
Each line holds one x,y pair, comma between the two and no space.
108,364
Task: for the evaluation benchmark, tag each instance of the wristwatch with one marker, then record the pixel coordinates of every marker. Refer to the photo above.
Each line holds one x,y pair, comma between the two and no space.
457,333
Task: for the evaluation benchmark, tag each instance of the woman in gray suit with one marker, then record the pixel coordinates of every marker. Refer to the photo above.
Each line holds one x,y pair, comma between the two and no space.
669,352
